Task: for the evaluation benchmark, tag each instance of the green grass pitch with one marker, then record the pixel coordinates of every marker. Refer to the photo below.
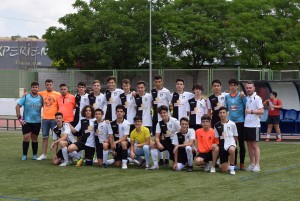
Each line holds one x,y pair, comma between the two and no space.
40,180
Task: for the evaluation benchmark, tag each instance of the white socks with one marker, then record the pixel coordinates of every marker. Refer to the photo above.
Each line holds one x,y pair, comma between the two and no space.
189,154
64,151
105,154
154,155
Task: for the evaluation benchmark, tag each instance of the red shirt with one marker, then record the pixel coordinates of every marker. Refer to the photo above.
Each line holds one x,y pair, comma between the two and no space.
275,111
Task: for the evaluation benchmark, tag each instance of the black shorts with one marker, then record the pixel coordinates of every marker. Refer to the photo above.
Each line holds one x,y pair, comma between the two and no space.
118,151
240,130
168,146
206,156
223,154
273,120
89,151
59,154
251,134
31,128
182,156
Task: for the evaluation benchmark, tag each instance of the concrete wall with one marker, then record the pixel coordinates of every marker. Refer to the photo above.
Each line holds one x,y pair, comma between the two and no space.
8,105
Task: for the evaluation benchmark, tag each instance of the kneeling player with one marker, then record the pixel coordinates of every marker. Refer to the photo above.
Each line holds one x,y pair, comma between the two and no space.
206,145
140,140
118,139
184,146
226,131
87,140
102,131
62,136
165,131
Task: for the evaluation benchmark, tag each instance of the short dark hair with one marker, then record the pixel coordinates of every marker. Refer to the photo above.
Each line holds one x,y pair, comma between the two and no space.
141,82
223,108
161,108
274,93
48,81
125,81
180,80
137,118
197,86
111,78
157,77
58,114
216,81
96,81
84,110
81,84
63,85
249,82
120,107
184,119
233,81
34,84
205,117
99,110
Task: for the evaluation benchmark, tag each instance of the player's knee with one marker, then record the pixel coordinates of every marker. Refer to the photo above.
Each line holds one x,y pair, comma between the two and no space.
188,148
199,161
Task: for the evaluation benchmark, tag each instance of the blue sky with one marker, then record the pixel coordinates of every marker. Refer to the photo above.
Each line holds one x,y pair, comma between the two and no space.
31,17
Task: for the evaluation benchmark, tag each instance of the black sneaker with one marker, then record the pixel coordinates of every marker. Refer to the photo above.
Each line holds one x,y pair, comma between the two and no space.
166,162
189,169
161,162
142,163
104,165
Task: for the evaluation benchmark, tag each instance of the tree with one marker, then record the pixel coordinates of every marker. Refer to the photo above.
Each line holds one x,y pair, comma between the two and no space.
265,32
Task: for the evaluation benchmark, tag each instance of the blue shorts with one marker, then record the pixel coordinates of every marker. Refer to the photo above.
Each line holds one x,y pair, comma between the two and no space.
47,124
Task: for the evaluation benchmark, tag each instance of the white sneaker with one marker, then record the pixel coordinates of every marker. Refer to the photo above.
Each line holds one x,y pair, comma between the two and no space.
250,168
124,166
207,167
212,169
146,167
154,167
232,172
64,164
42,157
256,168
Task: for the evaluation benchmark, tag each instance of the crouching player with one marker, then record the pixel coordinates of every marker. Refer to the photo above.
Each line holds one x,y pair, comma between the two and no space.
226,132
87,141
206,145
102,131
63,137
140,141
118,139
184,146
165,131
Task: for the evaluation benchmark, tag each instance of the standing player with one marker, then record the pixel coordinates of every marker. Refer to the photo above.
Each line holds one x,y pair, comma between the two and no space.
206,145
179,100
118,140
81,100
102,131
49,109
236,108
254,109
63,137
184,146
165,131
275,105
140,141
127,100
160,96
112,96
96,98
196,107
143,103
215,101
31,121
66,103
226,133
87,140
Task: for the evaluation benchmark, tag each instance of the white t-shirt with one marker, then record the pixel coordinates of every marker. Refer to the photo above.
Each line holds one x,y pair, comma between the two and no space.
123,129
114,101
164,97
90,142
130,106
103,131
84,100
254,102
173,127
65,130
228,134
221,102
181,103
199,110
190,135
100,102
146,109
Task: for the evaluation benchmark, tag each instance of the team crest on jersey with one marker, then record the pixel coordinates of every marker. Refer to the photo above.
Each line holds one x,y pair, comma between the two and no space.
146,99
170,126
161,94
222,98
123,129
115,93
228,128
131,98
101,127
85,99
